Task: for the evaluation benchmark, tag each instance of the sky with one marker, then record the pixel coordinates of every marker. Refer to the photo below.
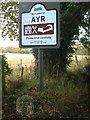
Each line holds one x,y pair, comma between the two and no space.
8,43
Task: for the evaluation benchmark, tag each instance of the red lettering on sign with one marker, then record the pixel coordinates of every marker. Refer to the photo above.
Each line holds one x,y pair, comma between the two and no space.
39,29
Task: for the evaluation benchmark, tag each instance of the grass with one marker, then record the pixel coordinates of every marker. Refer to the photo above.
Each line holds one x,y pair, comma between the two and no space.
18,61
76,65
65,97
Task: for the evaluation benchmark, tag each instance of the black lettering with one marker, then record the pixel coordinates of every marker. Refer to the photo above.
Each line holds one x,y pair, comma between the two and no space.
33,19
38,18
42,18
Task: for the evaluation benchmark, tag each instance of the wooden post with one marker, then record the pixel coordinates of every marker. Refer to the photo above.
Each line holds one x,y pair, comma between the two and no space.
76,60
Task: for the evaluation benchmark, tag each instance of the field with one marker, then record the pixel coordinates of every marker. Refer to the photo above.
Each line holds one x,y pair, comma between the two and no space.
27,59
15,59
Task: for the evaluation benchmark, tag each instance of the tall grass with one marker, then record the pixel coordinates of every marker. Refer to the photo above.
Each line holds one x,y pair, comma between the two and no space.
64,97
70,95
78,64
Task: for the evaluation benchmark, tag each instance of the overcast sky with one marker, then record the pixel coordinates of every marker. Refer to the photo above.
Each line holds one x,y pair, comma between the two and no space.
8,43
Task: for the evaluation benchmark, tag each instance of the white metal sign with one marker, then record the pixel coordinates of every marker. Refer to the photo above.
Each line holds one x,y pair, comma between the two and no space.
39,27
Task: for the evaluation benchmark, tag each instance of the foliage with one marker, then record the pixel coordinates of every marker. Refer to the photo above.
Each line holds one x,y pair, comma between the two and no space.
9,19
70,20
56,60
81,50
66,97
24,105
86,26
5,71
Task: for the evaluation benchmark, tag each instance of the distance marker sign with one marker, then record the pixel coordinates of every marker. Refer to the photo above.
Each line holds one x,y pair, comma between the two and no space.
39,27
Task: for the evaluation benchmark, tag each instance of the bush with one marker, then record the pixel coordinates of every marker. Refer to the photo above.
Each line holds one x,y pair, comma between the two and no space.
5,71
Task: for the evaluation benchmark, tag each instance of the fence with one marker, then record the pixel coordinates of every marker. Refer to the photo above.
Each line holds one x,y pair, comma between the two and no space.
22,71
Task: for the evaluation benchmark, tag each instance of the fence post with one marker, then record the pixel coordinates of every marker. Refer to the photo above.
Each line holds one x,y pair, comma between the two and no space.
76,60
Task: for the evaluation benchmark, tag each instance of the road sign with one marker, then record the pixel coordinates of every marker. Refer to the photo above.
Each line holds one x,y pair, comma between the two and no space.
39,27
